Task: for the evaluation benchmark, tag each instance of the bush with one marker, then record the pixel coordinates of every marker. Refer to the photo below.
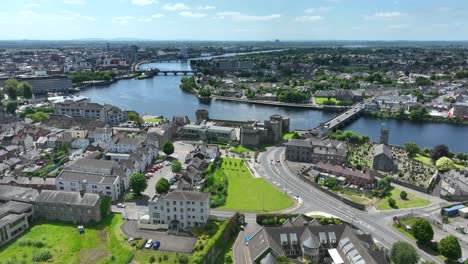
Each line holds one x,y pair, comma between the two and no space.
152,259
450,248
41,256
391,202
403,195
404,253
445,164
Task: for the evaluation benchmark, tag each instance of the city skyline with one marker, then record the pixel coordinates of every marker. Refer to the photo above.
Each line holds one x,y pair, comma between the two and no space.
223,20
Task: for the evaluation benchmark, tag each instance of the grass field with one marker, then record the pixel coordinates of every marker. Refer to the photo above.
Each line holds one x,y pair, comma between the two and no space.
241,149
289,135
100,244
423,159
321,100
248,193
410,202
143,256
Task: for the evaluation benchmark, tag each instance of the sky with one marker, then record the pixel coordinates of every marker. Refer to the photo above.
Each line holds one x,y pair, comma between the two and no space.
235,19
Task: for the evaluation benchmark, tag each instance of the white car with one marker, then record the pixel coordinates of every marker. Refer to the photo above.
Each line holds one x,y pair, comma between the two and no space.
120,205
149,243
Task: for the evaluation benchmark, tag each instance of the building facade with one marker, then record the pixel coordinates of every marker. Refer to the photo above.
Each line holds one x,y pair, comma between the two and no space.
180,209
314,150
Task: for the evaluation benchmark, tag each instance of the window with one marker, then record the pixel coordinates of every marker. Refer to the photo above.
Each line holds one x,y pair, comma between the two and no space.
108,187
109,193
181,203
61,187
201,203
174,203
201,210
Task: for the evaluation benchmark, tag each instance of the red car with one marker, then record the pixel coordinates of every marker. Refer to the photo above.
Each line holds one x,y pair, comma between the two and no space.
151,170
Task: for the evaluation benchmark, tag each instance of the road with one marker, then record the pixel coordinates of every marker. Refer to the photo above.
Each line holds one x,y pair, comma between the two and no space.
376,223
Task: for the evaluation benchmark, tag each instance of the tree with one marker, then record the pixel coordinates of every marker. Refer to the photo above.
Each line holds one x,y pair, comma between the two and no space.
404,253
439,151
133,116
385,186
163,186
422,231
168,148
411,148
26,89
445,164
11,107
391,202
38,117
450,248
138,183
11,87
330,182
176,166
403,195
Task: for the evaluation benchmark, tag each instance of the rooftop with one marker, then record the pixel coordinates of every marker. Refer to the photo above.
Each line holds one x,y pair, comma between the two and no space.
71,198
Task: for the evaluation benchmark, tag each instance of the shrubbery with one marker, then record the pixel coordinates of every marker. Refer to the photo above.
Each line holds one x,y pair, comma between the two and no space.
41,256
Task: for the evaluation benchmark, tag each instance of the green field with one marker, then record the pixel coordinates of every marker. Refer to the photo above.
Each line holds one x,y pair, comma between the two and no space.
153,120
290,135
241,149
250,194
102,243
410,202
423,159
321,100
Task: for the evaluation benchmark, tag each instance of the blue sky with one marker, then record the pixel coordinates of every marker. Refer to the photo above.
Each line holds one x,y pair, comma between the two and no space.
236,19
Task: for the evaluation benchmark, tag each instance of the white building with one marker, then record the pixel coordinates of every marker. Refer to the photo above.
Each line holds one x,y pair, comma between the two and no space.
124,145
88,182
15,218
180,209
103,134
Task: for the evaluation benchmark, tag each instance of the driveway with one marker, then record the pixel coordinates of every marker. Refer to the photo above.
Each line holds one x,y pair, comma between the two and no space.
171,243
240,249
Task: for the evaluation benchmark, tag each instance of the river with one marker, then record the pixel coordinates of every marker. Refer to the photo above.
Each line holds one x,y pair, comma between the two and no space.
161,95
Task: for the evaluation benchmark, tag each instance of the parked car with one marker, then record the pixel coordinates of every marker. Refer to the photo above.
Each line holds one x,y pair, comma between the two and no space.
120,205
156,245
149,243
148,175
173,180
151,170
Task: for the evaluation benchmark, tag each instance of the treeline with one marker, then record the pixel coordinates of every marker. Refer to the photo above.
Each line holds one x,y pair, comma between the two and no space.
293,96
80,77
348,136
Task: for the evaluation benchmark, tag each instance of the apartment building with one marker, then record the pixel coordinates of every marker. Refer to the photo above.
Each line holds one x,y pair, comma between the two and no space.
89,182
180,209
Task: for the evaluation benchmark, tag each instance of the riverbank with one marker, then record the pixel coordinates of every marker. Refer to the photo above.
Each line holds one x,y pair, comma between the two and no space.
431,119
283,104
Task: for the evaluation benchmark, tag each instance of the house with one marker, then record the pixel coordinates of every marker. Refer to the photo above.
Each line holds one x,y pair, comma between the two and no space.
355,177
89,182
80,143
113,115
314,150
15,219
382,159
314,242
180,209
396,99
461,110
68,206
103,134
124,145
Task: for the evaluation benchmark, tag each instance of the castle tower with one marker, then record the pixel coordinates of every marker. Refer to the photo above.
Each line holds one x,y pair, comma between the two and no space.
384,134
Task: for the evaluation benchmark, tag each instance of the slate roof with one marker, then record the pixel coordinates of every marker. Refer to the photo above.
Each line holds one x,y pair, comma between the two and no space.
382,149
71,198
13,193
187,196
89,177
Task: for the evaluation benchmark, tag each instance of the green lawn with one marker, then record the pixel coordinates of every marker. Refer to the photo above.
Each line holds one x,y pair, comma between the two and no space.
410,202
250,194
321,100
241,149
289,135
423,159
143,256
102,243
153,120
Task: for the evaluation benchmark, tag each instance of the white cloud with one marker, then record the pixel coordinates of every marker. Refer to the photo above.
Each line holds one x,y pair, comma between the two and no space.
31,5
242,17
157,15
309,18
143,2
207,7
175,7
383,15
318,9
74,2
122,20
191,14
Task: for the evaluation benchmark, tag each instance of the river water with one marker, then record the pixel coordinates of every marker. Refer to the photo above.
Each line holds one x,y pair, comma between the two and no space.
161,95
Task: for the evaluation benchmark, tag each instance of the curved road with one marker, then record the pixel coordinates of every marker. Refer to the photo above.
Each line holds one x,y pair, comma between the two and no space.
376,223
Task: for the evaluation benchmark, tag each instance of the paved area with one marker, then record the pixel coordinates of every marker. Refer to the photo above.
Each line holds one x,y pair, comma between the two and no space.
240,248
168,242
164,172
181,149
